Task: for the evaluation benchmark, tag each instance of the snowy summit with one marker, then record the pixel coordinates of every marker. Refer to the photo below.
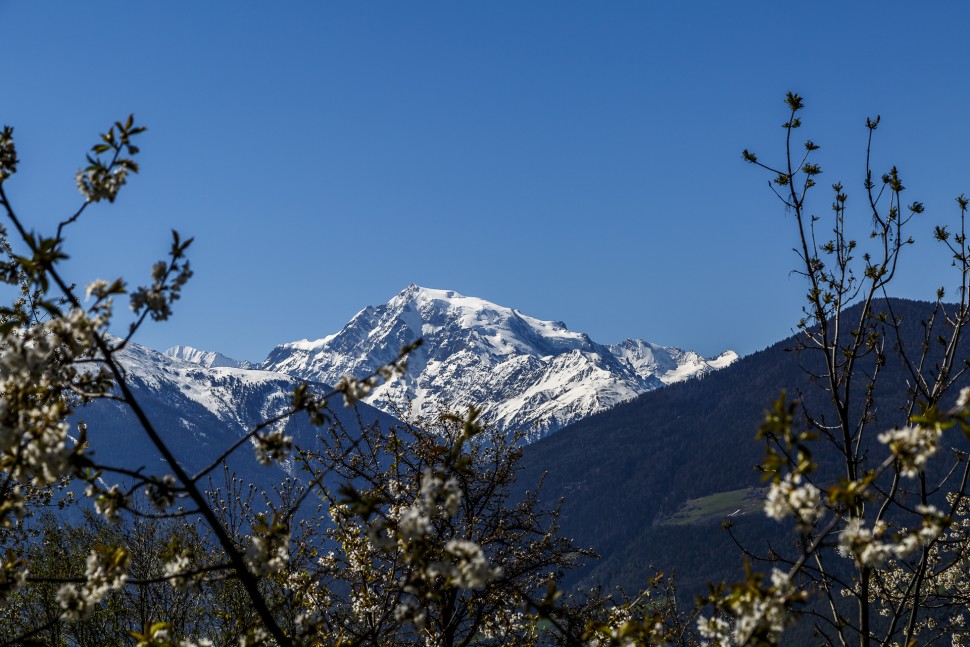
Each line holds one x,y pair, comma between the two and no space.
526,373
209,359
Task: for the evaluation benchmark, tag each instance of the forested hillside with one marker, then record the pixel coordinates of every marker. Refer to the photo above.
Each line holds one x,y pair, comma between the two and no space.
623,473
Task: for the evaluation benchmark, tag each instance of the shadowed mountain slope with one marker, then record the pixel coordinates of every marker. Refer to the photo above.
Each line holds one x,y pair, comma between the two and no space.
623,473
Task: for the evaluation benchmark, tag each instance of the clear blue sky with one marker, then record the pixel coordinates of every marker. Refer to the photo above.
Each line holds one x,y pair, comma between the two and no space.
576,160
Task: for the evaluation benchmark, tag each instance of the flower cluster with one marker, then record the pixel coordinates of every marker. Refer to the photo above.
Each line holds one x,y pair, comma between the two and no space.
98,183
106,570
102,180
912,446
413,523
309,594
873,547
178,571
789,496
864,544
36,370
439,495
963,400
715,630
467,566
107,502
505,622
408,611
760,613
159,634
355,390
12,506
766,614
269,548
931,527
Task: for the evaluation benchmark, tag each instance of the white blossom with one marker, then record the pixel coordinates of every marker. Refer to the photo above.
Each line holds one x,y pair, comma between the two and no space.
355,390
105,570
761,612
468,567
912,445
932,526
857,541
268,553
254,637
452,495
108,503
409,611
790,497
714,631
413,523
12,504
963,400
74,607
152,299
98,183
96,288
177,570
36,365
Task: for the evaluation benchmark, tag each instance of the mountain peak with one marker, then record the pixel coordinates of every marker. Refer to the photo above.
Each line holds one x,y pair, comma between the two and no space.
417,293
408,293
209,359
527,373
668,363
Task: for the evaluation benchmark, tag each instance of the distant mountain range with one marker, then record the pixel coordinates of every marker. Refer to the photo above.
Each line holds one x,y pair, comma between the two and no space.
525,372
209,359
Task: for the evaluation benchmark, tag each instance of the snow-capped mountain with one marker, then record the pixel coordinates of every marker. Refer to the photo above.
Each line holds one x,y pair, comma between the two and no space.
209,359
526,373
668,363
